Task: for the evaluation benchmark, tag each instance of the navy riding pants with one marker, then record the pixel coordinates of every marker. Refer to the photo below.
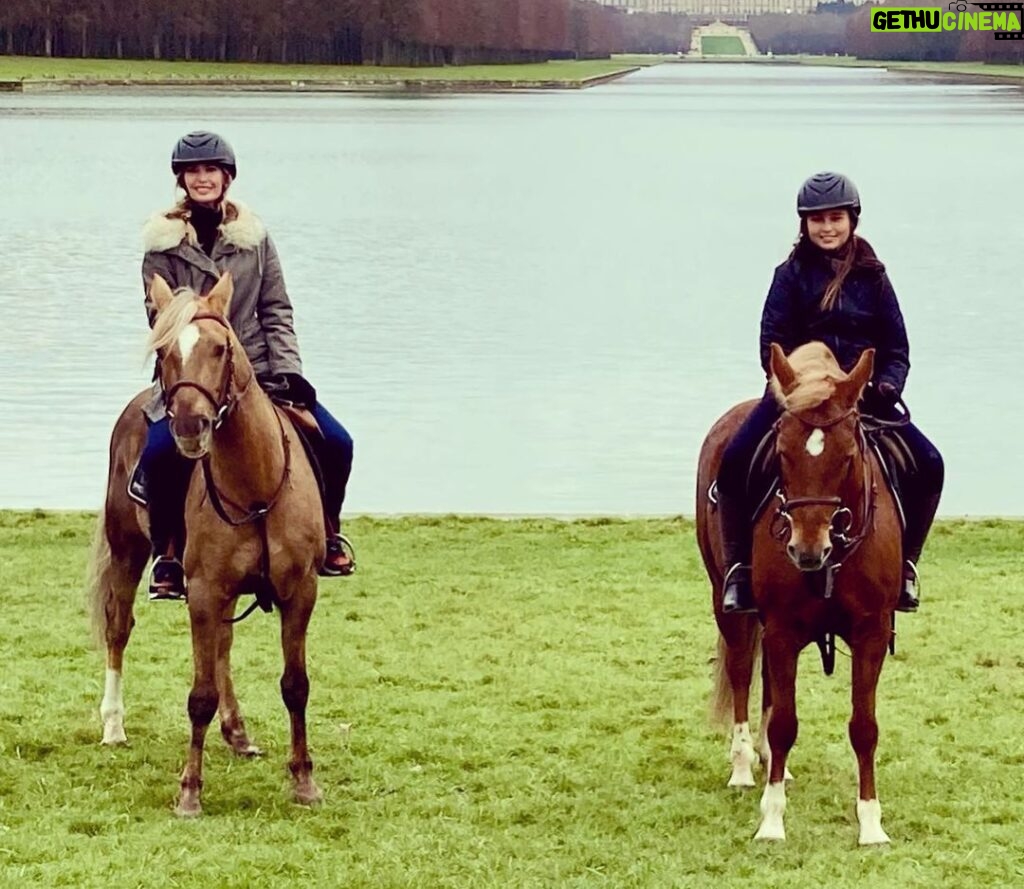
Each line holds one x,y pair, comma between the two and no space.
167,472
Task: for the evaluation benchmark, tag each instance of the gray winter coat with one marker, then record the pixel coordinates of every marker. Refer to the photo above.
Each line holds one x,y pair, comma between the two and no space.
260,312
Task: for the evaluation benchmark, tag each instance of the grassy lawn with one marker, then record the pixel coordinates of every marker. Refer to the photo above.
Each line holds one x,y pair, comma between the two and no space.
722,46
506,704
970,69
24,67
643,61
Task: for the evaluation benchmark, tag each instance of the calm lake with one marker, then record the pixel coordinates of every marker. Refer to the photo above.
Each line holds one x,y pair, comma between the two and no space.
523,303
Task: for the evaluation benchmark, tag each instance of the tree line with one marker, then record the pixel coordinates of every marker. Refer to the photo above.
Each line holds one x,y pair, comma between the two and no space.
380,32
845,29
944,46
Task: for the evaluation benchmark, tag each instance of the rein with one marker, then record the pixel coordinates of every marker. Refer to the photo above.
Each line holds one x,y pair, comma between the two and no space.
257,514
224,403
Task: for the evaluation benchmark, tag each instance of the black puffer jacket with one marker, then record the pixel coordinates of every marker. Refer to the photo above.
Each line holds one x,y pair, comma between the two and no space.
865,314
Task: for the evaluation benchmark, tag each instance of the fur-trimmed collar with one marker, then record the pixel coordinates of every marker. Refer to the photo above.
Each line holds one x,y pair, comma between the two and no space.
241,227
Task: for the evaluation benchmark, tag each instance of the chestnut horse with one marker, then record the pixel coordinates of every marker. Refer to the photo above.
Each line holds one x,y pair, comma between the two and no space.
827,562
254,524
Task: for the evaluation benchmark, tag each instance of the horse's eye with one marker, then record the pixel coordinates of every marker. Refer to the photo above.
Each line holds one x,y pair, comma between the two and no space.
218,350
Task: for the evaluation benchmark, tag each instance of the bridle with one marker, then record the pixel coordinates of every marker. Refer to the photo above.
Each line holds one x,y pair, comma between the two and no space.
840,526
225,400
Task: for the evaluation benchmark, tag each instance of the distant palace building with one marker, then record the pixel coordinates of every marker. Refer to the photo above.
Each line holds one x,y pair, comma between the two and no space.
726,9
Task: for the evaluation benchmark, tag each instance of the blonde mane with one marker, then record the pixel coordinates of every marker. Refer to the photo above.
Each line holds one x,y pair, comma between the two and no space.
817,373
175,317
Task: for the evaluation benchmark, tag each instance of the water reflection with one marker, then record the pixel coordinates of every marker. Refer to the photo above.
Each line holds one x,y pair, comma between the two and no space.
520,303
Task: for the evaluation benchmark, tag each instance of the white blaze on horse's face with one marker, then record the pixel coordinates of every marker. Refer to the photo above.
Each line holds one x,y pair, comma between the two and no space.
815,443
187,340
807,472
193,407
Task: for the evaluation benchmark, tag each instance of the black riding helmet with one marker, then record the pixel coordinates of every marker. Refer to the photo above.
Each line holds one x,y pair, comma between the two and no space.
828,191
202,147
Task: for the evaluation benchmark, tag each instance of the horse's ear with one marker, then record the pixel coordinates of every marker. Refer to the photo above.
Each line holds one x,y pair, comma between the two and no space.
160,293
852,387
781,369
220,296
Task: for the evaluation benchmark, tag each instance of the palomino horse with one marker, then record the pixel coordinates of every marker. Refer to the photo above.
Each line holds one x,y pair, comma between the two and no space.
254,524
827,562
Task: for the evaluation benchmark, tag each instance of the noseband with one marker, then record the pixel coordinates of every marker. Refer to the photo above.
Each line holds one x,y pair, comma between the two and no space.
224,401
840,523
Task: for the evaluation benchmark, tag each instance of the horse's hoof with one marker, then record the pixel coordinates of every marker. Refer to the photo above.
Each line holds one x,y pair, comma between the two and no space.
190,809
773,832
879,840
189,805
114,737
238,740
308,795
869,814
244,747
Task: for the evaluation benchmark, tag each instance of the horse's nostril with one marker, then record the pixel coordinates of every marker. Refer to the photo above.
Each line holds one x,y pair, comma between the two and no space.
791,550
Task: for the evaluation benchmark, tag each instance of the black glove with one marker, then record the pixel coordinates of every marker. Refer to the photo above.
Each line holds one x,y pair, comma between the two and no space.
293,388
887,392
300,391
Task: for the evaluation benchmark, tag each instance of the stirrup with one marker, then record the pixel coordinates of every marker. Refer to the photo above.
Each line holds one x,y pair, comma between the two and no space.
339,544
167,580
910,585
732,598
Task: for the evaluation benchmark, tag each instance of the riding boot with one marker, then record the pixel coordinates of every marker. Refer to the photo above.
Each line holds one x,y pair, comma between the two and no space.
340,560
167,579
334,453
919,522
340,557
737,595
167,530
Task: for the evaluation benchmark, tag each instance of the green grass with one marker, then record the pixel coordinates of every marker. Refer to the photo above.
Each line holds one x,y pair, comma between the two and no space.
140,71
506,704
722,46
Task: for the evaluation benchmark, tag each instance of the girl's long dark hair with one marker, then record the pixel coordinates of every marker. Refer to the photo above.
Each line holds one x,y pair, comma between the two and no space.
845,259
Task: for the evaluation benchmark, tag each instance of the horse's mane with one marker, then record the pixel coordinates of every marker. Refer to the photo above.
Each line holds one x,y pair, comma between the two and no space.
817,373
175,317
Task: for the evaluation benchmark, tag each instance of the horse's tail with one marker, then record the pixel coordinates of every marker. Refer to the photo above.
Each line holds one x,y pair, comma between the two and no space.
721,692
99,589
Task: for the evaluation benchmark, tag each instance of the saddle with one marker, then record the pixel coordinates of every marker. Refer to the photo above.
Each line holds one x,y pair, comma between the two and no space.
894,456
312,439
309,433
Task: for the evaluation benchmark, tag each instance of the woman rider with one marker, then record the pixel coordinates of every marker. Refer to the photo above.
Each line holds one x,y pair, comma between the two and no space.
831,288
203,235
